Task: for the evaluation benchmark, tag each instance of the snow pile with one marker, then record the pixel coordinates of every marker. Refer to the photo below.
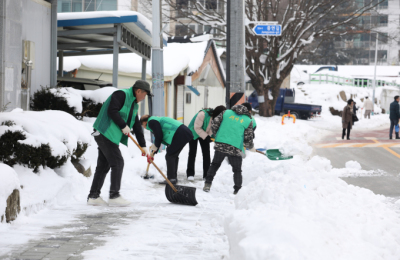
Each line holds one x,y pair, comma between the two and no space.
301,210
58,129
353,165
9,182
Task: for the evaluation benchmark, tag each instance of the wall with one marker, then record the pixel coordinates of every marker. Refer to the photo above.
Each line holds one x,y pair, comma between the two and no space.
23,20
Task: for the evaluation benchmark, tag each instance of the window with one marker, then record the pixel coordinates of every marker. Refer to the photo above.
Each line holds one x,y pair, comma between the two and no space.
181,30
106,5
383,5
77,5
383,21
86,5
188,98
211,4
89,5
182,4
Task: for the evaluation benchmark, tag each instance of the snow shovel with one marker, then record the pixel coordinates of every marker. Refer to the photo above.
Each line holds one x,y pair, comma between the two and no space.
175,194
275,155
147,176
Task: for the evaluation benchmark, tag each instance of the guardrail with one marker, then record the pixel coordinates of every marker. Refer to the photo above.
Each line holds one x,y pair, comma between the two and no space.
352,82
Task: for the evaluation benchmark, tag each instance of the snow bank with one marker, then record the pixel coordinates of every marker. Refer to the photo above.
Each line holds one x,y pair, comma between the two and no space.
300,208
58,129
9,182
303,211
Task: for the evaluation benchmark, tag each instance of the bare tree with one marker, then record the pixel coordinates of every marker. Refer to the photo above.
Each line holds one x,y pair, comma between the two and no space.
269,60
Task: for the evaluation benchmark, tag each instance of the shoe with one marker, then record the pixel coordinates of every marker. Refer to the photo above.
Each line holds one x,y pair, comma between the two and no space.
96,202
397,136
235,192
207,187
390,138
348,138
173,181
118,202
191,178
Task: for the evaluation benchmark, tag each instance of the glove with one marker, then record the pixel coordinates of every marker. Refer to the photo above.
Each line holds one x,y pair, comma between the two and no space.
146,152
126,130
153,149
150,159
253,150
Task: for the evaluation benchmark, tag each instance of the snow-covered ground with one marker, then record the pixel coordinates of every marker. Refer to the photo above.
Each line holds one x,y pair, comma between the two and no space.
293,209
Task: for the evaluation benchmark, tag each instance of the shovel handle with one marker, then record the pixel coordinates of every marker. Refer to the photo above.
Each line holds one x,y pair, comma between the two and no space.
260,152
166,179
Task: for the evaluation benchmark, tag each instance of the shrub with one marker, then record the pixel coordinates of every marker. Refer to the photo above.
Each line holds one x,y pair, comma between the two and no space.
12,152
43,99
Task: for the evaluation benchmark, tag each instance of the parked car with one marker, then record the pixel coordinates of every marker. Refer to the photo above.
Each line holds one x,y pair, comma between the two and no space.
82,83
285,103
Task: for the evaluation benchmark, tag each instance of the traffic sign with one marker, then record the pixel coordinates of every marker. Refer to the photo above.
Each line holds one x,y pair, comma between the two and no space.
268,29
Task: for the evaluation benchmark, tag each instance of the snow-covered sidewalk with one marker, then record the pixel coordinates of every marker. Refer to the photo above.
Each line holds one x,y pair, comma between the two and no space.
295,209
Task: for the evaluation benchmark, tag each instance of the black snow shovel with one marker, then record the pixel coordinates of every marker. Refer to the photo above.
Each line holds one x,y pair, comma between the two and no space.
175,194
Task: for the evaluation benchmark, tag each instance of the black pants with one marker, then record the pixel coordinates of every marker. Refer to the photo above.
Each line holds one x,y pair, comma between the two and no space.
181,137
348,131
393,123
234,161
109,157
205,150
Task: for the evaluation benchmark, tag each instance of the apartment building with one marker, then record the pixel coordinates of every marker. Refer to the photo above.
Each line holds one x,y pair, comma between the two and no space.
383,20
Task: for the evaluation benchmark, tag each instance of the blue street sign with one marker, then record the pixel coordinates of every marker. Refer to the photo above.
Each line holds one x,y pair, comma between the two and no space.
268,30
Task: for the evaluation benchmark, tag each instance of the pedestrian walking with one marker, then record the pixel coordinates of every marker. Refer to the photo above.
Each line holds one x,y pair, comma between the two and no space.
250,109
394,116
347,118
171,133
234,131
200,126
368,106
117,117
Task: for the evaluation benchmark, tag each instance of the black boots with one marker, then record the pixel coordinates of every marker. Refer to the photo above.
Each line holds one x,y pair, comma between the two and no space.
397,136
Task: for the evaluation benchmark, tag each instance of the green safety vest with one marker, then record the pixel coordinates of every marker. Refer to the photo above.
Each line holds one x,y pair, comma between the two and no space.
168,126
254,122
206,122
231,130
106,126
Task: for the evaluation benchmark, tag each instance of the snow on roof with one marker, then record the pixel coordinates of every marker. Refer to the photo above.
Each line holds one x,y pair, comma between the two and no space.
177,57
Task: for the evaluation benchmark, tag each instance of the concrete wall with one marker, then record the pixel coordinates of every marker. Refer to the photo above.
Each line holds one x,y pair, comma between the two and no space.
23,20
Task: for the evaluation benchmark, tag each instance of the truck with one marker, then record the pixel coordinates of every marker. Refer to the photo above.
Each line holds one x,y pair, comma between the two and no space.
285,103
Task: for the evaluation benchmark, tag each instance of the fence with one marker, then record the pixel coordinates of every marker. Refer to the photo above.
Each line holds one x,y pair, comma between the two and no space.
351,82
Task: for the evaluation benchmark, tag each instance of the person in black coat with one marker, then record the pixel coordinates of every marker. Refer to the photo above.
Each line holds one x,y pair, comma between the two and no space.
394,116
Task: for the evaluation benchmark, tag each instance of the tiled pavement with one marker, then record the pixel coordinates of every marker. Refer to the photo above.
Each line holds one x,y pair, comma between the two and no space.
70,240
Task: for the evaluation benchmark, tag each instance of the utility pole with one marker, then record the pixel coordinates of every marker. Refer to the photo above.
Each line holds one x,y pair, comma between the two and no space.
157,61
235,61
376,60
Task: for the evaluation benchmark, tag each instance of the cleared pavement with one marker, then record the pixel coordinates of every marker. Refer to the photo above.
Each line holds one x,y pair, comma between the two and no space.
374,151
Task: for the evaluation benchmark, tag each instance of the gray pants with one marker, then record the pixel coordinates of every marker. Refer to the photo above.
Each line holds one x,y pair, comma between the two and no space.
235,162
109,157
367,113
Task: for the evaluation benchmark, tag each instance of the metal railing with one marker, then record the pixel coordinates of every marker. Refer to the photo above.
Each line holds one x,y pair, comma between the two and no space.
351,82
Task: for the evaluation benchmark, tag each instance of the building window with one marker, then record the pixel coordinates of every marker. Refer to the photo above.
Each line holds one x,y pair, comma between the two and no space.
188,98
181,30
383,21
86,5
182,4
383,5
211,4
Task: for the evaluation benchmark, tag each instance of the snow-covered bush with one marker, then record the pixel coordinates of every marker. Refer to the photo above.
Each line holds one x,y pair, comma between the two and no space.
35,139
78,103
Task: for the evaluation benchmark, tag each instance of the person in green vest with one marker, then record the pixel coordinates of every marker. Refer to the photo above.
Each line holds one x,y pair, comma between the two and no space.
233,130
201,129
171,133
117,117
250,109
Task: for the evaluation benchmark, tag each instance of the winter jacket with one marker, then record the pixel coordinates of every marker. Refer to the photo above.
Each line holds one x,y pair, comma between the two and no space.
394,111
248,133
368,105
347,116
198,126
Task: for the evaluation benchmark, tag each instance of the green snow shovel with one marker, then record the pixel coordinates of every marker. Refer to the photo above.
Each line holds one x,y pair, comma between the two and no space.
275,155
175,194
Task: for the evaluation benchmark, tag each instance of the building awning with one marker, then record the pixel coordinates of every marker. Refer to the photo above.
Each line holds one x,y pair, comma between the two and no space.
93,33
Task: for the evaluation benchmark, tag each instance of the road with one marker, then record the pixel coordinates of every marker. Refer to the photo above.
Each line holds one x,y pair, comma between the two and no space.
374,151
